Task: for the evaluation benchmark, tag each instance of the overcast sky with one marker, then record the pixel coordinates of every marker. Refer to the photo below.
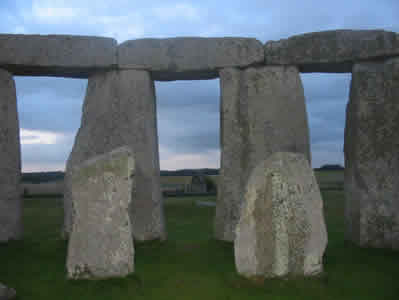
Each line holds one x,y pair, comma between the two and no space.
188,111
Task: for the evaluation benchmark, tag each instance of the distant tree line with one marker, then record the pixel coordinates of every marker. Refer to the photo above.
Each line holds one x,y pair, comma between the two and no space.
190,172
330,167
38,177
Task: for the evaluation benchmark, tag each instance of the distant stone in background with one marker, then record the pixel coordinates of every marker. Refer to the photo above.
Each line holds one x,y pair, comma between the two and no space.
10,161
372,155
262,111
119,110
7,293
281,230
101,242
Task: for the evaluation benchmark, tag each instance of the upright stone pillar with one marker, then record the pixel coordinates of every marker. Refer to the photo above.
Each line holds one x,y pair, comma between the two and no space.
372,155
262,111
10,161
101,242
120,110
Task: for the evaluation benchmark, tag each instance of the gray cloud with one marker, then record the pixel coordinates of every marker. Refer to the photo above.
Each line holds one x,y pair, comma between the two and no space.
52,104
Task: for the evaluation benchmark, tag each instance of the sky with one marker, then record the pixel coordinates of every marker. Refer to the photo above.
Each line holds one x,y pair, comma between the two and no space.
188,111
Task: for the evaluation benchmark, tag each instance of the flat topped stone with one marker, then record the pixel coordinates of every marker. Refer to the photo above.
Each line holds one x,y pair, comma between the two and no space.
332,51
56,55
189,57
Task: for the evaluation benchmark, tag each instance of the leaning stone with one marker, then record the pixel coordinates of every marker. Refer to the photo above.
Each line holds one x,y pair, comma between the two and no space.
189,58
101,243
7,293
10,161
281,231
371,155
332,51
262,111
119,110
56,55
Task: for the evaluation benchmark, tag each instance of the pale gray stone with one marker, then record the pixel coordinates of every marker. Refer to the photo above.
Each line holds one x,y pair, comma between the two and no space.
371,155
10,161
101,242
262,111
119,110
56,55
7,293
332,51
281,230
189,58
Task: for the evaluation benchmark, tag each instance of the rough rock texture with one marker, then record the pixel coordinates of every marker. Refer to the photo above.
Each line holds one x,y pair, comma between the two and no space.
101,243
7,293
371,155
56,55
331,51
10,161
262,112
189,58
119,110
281,229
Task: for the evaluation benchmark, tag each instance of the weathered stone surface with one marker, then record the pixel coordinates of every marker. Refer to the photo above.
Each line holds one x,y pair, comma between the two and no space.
262,112
281,229
189,58
101,242
119,110
371,155
56,55
331,51
10,161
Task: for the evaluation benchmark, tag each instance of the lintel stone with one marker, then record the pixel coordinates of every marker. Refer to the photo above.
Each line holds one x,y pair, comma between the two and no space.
189,58
333,51
56,55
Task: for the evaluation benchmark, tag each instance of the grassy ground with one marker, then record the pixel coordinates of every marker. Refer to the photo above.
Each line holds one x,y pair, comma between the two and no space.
190,264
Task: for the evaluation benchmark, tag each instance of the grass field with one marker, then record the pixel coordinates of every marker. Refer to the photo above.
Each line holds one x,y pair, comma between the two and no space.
190,264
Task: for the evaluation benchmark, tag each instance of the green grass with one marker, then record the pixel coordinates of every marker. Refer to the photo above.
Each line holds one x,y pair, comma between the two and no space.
190,264
331,179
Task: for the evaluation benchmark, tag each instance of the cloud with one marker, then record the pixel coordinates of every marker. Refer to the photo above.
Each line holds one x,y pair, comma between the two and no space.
180,11
39,137
50,104
52,14
169,160
46,156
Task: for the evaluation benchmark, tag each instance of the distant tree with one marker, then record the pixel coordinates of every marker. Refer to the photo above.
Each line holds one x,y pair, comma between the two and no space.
331,167
211,187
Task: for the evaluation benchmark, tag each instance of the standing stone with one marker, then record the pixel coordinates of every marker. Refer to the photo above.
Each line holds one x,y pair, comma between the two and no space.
119,110
262,111
10,161
101,243
281,229
372,155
